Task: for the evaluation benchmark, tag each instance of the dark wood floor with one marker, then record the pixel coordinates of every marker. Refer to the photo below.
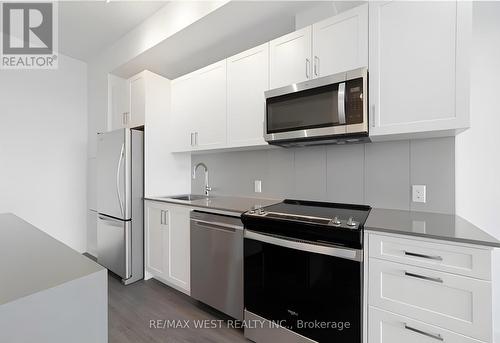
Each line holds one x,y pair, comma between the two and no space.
132,307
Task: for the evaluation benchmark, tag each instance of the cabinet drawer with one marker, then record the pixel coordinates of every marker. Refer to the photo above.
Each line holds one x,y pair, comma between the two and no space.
387,327
457,303
455,259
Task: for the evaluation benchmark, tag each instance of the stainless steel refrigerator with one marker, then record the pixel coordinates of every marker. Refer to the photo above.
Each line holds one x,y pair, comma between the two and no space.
120,192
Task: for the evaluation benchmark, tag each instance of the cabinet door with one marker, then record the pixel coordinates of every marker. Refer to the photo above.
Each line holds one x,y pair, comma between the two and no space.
183,110
137,101
155,238
118,102
458,303
210,106
178,258
387,327
290,58
418,66
247,80
340,43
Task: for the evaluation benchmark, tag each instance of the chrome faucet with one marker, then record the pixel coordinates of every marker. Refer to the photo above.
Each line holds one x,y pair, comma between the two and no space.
207,187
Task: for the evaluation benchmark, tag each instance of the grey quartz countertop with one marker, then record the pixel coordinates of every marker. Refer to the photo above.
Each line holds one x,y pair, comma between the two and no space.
431,225
233,204
32,261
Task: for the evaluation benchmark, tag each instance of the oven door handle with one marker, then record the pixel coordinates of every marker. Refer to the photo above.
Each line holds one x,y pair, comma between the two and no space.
341,252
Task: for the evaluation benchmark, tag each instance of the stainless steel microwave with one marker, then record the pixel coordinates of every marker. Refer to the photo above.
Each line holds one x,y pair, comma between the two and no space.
326,110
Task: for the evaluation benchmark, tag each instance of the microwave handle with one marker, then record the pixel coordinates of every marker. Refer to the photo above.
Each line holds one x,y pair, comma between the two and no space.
341,103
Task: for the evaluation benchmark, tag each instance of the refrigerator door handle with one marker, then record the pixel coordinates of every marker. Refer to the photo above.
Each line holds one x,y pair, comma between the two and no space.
110,221
128,252
118,179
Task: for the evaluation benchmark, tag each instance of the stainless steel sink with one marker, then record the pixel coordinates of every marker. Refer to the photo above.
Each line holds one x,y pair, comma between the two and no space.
188,197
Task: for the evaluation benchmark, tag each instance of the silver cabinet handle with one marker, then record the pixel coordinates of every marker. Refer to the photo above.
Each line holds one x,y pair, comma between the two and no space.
428,278
163,217
192,135
341,103
308,66
431,335
316,65
196,138
430,257
125,118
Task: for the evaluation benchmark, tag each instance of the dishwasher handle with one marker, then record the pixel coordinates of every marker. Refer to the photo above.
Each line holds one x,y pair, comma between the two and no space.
216,225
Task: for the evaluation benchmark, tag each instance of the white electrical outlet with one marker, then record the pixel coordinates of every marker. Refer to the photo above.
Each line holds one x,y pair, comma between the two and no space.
418,193
258,186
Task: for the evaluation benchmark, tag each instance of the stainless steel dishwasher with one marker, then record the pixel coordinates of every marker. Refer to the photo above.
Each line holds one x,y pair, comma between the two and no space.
217,262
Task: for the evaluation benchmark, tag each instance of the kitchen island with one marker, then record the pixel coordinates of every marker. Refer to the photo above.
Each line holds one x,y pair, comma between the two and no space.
48,291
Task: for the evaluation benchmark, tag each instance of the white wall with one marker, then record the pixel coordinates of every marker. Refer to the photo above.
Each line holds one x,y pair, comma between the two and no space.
478,149
43,148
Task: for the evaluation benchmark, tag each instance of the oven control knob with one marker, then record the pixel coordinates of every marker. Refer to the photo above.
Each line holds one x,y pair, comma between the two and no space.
351,222
251,212
261,211
336,221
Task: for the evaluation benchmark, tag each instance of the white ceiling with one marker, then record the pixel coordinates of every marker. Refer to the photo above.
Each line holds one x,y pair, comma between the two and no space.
234,27
86,28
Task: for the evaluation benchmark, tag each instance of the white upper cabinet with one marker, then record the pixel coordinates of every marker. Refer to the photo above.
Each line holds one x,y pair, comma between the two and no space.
247,80
418,67
118,102
127,101
340,43
137,91
210,106
199,109
290,58
334,45
182,117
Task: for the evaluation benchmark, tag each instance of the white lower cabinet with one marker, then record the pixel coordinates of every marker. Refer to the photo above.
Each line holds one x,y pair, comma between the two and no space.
167,244
455,259
443,306
387,327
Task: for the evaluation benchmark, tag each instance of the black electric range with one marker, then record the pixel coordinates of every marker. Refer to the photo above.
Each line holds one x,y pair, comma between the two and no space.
333,223
303,270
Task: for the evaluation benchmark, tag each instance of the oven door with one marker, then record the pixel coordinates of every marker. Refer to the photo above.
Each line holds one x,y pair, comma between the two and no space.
312,290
